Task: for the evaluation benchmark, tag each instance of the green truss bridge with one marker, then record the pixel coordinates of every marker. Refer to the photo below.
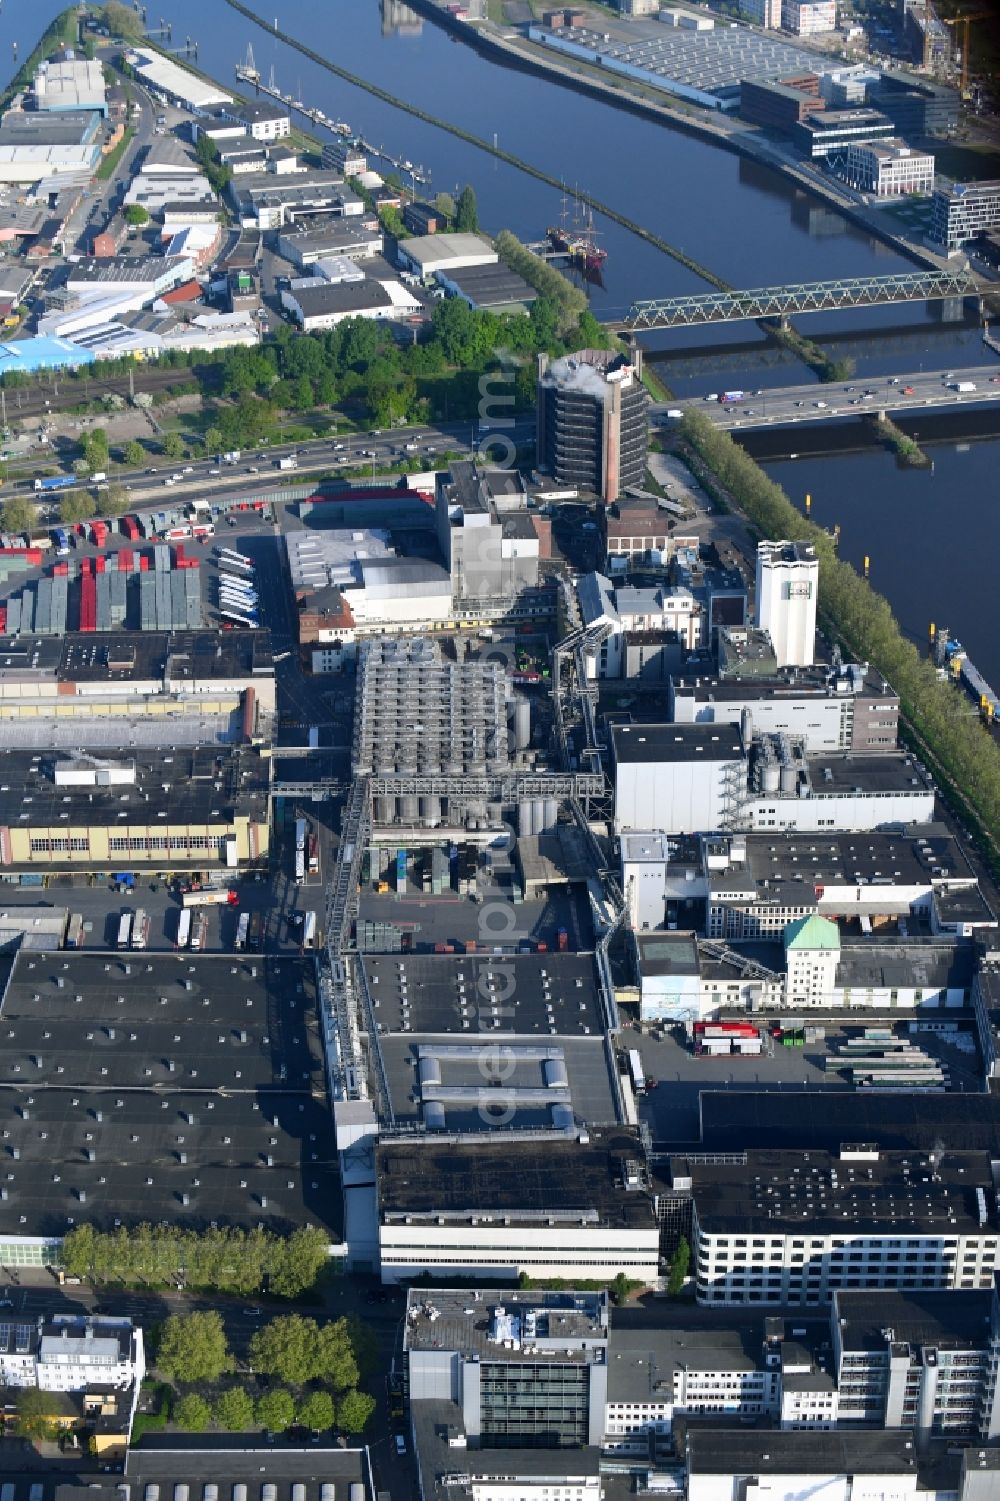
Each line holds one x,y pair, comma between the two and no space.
802,297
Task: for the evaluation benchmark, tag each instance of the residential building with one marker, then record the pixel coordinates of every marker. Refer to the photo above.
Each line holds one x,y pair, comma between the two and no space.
778,1227
888,169
963,211
808,17
787,589
592,427
263,119
339,156
70,1352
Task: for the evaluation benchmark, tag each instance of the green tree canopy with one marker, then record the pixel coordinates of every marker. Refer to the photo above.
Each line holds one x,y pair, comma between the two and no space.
75,506
113,500
317,1412
34,1414
467,211
136,215
122,20
19,514
354,1409
234,1409
173,446
298,1350
445,205
679,1264
192,1412
233,1261
133,454
276,1410
193,1347
95,447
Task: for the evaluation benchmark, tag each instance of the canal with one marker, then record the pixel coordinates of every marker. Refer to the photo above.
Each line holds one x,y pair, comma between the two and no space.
932,535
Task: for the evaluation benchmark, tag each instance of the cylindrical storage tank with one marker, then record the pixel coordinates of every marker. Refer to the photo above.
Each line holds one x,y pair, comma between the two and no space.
239,1491
356,1492
152,1493
524,819
770,777
522,723
211,1491
328,1492
269,1492
551,813
385,810
554,1070
746,726
298,1491
562,1118
494,812
430,810
182,1492
537,815
433,1115
788,776
409,808
429,1070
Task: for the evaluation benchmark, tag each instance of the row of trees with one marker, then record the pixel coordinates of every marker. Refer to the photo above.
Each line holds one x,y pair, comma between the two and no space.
936,710
319,1361
235,1410
232,1261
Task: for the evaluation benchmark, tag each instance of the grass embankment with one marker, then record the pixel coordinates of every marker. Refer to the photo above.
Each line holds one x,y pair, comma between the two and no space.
811,353
109,166
907,449
936,714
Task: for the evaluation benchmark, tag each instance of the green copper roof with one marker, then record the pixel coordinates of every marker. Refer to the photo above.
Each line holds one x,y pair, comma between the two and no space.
812,933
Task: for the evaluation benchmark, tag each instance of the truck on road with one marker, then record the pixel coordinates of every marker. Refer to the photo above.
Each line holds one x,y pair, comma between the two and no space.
728,397
140,929
962,385
232,457
635,1069
124,930
183,928
57,482
287,461
211,896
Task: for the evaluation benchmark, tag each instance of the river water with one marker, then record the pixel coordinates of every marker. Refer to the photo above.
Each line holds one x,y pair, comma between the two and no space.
932,536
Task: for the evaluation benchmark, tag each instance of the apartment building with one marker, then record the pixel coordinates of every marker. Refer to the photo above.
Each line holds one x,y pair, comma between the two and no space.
69,1353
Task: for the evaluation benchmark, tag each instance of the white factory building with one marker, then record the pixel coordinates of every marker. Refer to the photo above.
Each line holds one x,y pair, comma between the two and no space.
787,588
678,778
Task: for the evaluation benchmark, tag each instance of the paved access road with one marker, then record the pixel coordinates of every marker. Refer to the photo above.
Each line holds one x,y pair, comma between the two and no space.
811,403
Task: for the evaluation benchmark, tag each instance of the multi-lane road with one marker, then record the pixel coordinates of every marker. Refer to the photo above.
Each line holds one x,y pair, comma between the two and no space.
257,469
811,403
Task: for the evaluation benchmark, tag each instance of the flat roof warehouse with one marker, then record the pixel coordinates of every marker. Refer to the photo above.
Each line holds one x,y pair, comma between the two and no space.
176,1088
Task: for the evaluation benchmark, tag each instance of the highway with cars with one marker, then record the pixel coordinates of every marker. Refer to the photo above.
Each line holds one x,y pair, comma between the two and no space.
258,468
811,403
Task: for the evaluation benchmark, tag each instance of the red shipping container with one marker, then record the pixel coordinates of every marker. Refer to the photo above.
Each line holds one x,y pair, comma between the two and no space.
3,617
100,564
125,560
60,571
143,563
99,533
130,528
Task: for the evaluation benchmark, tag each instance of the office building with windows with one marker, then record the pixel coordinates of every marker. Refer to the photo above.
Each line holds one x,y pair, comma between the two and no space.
780,1227
888,169
963,211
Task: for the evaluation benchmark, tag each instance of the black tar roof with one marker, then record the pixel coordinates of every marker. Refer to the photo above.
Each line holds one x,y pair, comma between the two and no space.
820,1120
723,1451
508,1178
528,994
786,868
959,1316
186,785
776,1193
241,1127
141,655
340,297
676,742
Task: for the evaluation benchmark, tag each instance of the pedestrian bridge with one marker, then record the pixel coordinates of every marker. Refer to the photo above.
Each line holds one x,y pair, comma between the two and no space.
802,297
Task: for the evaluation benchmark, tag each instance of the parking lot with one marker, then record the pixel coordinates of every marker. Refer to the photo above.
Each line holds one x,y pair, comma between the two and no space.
670,1107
